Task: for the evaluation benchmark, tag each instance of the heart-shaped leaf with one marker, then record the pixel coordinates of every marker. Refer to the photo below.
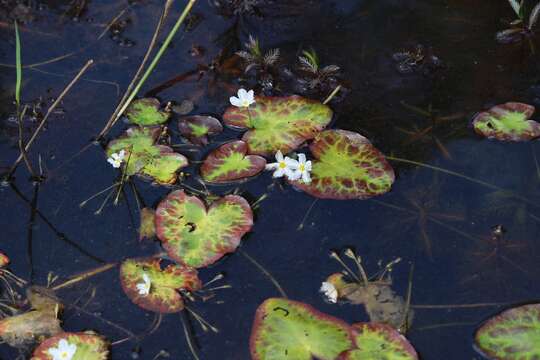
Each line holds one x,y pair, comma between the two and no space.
507,122
197,237
286,329
346,166
514,334
379,342
145,158
145,112
156,289
81,346
229,162
278,123
196,129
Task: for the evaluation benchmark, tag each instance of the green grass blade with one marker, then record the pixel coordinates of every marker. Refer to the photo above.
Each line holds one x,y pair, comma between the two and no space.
18,66
158,55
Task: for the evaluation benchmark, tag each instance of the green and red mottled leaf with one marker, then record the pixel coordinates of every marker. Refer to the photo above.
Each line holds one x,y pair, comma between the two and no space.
164,295
278,123
196,129
146,158
379,342
346,166
514,334
89,346
145,112
197,237
507,122
230,162
286,329
4,260
147,229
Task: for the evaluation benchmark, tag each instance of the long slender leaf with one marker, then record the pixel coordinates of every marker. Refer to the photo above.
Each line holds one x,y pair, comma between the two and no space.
533,18
516,6
18,66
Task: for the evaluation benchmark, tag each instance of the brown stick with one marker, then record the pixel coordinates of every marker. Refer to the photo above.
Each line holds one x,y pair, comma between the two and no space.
84,276
49,111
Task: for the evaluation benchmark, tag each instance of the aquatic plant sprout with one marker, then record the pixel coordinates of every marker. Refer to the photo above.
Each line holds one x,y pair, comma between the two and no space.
144,287
284,166
116,159
330,292
244,100
64,350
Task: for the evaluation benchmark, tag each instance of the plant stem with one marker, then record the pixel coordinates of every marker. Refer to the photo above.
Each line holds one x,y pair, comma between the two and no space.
18,67
150,68
49,111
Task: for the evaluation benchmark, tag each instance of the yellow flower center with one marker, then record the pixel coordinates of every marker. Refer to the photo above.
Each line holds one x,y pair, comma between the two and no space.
245,103
302,167
282,165
64,355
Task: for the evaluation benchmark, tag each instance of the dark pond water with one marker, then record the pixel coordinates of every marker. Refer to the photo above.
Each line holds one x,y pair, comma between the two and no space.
439,223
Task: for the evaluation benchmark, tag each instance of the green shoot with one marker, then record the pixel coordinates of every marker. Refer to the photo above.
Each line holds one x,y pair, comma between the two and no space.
18,67
158,56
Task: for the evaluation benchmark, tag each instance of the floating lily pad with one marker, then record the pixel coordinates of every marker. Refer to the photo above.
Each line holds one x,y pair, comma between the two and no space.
88,346
346,166
196,129
4,260
164,284
145,112
146,158
379,342
229,162
278,123
197,237
514,334
507,122
286,329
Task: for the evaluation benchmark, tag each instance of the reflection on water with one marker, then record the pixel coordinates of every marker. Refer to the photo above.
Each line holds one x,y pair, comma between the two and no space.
442,224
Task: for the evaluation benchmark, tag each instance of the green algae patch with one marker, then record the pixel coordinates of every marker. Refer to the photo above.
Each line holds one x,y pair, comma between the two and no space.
74,346
379,342
156,289
346,166
146,158
196,236
514,334
286,329
196,129
146,112
507,122
278,123
230,162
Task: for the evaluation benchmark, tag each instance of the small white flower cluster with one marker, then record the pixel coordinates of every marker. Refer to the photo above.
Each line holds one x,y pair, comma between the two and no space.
144,287
64,351
117,159
293,169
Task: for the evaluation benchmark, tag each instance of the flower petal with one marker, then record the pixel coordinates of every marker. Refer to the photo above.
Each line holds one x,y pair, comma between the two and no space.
272,166
279,156
291,163
301,158
235,101
242,94
306,178
279,172
251,96
307,165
